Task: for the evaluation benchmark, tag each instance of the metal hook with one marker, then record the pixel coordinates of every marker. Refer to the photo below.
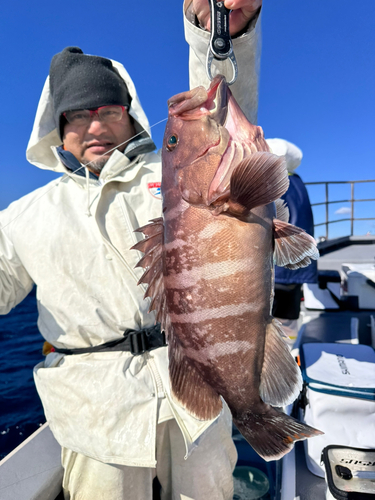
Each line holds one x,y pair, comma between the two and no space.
220,46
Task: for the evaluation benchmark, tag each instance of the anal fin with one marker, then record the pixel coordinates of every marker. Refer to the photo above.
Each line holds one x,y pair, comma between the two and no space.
281,379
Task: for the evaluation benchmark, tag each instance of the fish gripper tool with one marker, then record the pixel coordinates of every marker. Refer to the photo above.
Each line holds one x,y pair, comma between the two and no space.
220,47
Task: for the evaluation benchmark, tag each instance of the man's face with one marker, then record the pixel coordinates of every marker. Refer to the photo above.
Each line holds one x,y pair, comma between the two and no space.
91,143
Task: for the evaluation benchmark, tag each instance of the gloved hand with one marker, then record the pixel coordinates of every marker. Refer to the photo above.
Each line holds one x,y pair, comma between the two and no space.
242,12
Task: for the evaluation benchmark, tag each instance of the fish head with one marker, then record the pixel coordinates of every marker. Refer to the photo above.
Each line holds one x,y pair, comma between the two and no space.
204,129
194,140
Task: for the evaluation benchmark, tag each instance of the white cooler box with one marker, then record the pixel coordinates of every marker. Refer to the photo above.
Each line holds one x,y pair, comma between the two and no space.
340,393
359,280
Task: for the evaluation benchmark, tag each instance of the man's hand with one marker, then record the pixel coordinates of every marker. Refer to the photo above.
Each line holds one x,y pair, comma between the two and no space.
242,12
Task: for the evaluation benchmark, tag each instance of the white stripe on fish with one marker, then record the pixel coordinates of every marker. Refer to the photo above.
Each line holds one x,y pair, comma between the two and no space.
213,313
209,271
176,211
211,353
210,231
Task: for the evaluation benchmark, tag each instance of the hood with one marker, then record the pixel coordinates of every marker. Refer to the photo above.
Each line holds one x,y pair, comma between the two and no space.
293,154
45,135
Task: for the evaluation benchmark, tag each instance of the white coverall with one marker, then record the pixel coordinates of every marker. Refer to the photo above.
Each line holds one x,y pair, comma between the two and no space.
111,412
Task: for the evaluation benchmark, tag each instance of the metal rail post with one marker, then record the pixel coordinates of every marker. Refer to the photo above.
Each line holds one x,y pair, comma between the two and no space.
327,211
352,206
352,201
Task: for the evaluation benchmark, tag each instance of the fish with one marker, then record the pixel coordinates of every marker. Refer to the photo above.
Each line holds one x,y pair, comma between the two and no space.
209,265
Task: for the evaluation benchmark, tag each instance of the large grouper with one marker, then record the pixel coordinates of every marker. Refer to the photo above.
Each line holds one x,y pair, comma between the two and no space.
209,268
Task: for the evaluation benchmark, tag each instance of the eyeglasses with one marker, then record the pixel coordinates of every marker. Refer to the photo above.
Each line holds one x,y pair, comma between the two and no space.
106,114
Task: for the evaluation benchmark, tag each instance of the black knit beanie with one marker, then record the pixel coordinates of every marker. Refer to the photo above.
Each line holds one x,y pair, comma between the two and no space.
80,81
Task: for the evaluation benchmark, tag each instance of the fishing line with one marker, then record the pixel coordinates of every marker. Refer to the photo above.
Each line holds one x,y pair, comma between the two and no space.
66,175
63,177
119,145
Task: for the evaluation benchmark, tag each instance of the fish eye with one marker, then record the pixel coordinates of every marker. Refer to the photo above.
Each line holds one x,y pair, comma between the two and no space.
172,142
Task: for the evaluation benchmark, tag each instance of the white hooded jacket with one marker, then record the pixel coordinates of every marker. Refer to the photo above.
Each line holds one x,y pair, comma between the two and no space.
72,238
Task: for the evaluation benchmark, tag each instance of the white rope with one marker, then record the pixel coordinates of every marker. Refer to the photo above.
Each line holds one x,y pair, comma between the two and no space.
119,145
64,176
87,171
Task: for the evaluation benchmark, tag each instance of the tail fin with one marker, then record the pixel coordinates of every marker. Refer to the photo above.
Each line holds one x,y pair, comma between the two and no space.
272,434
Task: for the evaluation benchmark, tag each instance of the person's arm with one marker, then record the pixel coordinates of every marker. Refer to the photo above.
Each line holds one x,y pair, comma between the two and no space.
246,37
15,282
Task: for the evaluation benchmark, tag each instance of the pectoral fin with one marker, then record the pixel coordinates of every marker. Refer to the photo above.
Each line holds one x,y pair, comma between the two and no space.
257,180
294,248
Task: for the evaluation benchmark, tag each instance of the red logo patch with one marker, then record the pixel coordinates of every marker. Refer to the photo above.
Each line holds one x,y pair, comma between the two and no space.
154,189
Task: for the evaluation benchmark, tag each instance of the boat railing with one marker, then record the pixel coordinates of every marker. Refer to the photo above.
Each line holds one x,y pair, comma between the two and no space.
352,200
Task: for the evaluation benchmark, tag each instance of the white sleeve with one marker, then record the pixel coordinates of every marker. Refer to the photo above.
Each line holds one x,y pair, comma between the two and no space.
15,282
247,49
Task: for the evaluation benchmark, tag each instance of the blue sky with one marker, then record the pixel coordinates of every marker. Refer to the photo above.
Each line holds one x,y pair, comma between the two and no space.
316,87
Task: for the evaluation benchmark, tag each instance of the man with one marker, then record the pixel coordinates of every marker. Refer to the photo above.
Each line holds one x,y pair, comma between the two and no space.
111,409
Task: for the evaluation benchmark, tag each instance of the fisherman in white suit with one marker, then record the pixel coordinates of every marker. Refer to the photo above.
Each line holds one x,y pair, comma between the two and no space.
106,397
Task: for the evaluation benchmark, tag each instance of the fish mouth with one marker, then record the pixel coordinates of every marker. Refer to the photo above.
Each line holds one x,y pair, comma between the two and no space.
199,102
217,100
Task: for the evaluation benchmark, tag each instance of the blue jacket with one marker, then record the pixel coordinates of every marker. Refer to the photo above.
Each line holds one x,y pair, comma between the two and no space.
301,215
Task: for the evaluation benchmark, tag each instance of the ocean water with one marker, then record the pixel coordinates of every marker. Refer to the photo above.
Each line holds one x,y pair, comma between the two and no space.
21,412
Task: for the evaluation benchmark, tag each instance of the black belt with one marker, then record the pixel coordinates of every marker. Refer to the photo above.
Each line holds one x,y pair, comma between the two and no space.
134,341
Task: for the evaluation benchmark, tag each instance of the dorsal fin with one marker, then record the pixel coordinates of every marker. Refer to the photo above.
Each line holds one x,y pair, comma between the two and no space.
152,262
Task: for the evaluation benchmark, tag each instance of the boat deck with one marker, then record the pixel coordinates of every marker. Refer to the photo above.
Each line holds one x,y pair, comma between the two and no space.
33,471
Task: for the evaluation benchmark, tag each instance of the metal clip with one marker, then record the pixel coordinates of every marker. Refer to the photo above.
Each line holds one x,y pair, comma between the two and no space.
220,47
